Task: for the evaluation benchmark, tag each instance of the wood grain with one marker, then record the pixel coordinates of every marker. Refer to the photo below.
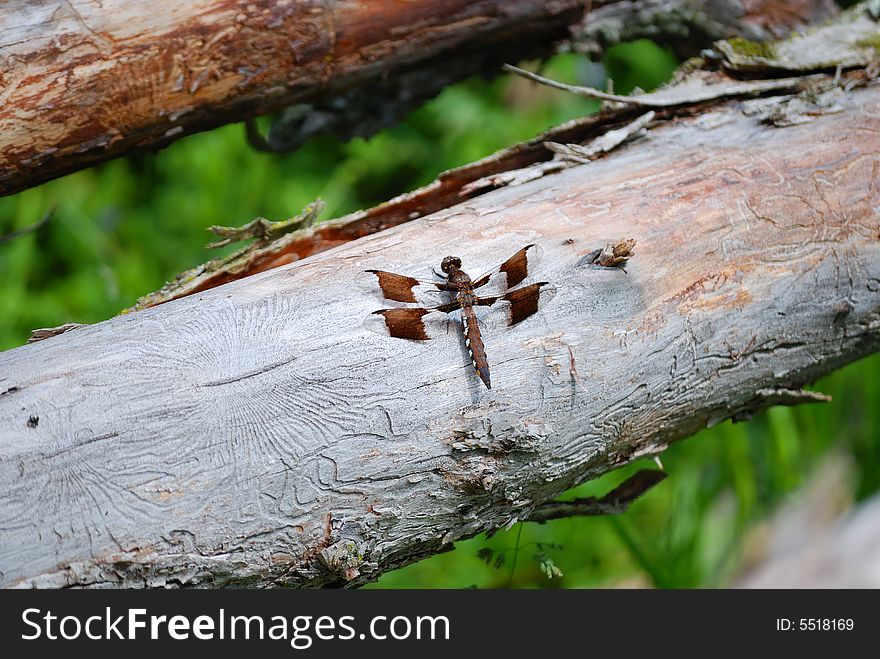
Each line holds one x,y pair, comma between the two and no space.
256,434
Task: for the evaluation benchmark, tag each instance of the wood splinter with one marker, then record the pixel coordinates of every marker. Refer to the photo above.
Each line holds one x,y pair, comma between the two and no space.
613,255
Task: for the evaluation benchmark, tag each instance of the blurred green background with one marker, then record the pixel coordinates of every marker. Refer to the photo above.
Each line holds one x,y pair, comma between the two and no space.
122,229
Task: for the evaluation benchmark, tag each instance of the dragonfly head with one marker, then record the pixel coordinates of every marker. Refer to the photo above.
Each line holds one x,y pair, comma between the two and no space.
450,264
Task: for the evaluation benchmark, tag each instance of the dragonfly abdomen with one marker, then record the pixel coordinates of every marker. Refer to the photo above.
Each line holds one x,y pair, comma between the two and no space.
474,342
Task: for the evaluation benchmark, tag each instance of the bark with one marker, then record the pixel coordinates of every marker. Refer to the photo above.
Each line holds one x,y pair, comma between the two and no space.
842,556
86,82
256,434
689,27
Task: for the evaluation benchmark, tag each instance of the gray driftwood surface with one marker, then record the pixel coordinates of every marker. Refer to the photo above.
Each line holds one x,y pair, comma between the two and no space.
257,434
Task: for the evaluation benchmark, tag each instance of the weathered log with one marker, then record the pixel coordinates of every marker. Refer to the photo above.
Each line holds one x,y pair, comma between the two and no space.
799,63
689,26
84,82
818,538
256,434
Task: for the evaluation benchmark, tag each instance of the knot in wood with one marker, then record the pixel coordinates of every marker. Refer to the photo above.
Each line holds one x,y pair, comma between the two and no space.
343,558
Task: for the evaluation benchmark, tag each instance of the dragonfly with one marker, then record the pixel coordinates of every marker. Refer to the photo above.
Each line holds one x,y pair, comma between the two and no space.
421,323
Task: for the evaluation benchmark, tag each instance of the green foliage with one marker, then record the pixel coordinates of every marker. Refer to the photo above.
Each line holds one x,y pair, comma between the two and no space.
547,566
497,558
124,228
641,64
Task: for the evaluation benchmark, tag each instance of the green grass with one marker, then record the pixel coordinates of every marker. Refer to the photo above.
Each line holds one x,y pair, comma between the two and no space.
124,228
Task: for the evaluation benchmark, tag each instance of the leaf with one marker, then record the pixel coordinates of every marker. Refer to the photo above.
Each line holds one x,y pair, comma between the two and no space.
486,555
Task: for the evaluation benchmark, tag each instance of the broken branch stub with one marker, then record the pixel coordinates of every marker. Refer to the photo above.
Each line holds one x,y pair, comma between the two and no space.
615,502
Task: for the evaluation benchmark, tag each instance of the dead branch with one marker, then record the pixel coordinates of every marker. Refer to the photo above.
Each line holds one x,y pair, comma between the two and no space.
698,87
256,434
36,226
85,82
615,502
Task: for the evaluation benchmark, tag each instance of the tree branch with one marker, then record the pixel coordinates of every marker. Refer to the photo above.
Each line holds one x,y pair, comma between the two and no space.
36,226
615,502
843,46
256,434
148,79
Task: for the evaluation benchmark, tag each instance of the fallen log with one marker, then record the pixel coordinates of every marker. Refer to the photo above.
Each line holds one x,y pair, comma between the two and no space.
738,69
83,82
256,434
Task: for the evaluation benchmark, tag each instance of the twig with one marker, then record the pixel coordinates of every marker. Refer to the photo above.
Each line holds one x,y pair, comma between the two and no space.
265,231
255,138
48,332
707,86
31,228
589,92
782,396
771,397
614,503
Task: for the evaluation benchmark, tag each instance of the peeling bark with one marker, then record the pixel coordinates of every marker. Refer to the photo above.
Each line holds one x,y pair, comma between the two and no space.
84,82
688,27
255,434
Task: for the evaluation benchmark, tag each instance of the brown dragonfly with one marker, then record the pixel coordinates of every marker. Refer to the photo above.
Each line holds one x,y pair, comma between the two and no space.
427,322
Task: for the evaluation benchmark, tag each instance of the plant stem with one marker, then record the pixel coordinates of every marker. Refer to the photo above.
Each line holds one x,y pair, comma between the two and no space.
515,555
